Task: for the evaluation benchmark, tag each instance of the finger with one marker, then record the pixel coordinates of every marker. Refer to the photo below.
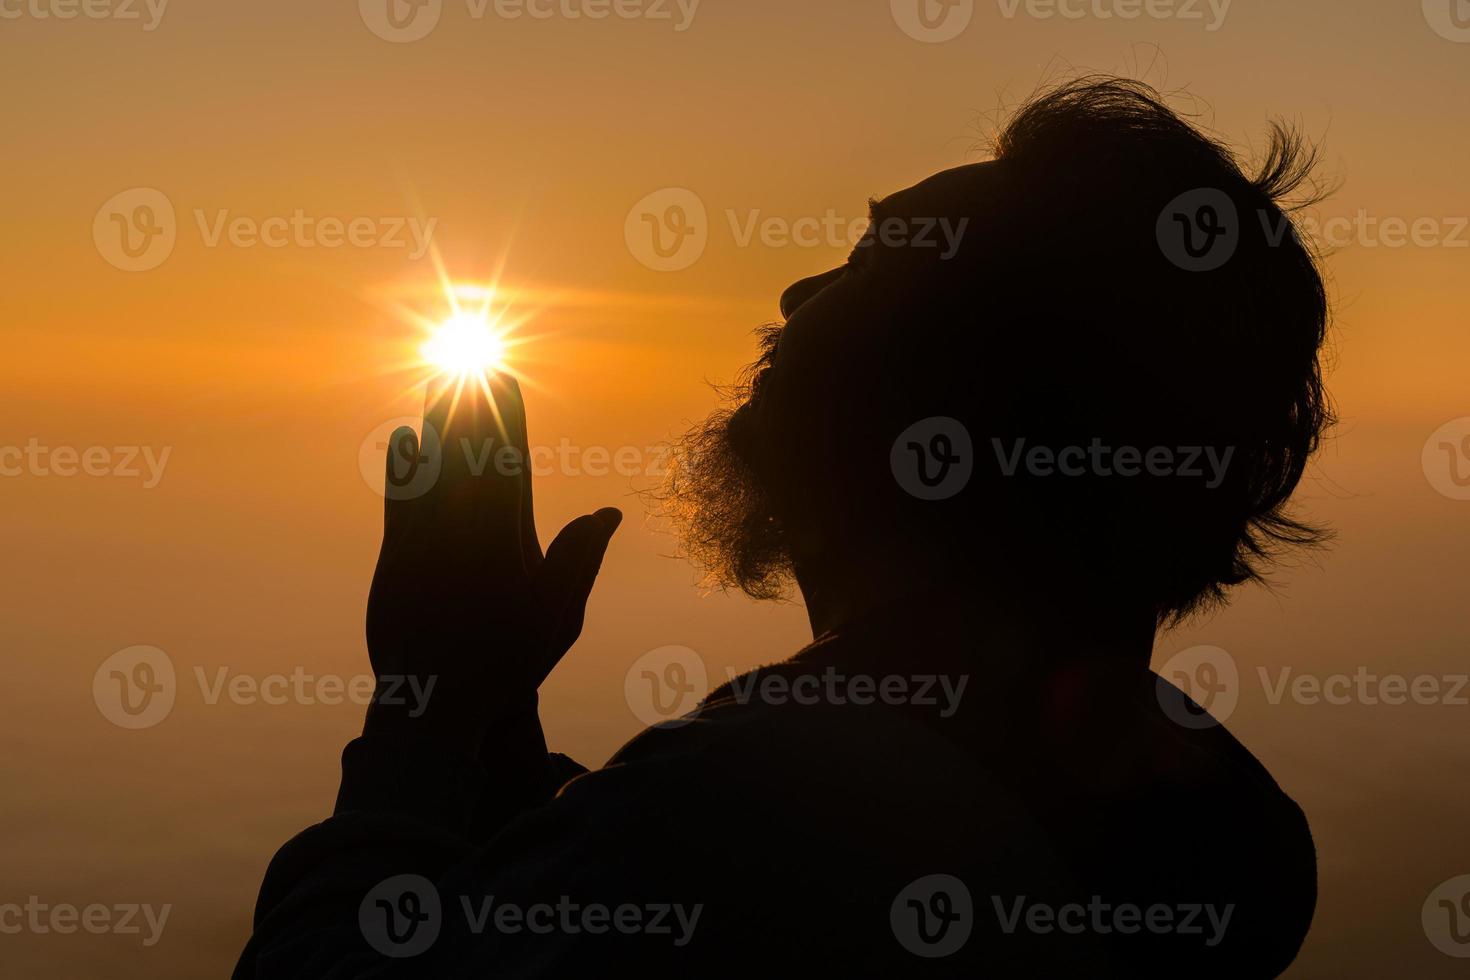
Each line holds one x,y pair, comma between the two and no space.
479,491
572,562
508,498
518,430
405,474
450,410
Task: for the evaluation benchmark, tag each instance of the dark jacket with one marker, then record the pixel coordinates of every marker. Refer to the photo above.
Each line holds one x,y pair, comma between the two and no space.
1055,821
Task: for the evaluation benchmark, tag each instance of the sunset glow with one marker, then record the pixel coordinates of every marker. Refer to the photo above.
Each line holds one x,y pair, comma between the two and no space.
285,278
465,344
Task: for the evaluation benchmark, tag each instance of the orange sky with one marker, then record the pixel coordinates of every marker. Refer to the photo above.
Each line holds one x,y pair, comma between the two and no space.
261,371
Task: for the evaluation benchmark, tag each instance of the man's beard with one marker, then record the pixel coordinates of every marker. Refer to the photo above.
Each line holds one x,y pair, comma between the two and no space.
717,501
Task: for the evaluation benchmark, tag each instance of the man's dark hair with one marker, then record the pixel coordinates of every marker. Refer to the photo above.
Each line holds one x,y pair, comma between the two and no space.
1070,318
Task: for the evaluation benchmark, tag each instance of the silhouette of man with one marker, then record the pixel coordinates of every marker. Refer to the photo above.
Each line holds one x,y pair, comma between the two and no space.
994,472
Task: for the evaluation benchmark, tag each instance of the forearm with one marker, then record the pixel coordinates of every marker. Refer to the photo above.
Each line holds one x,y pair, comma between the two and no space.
400,811
404,808
512,771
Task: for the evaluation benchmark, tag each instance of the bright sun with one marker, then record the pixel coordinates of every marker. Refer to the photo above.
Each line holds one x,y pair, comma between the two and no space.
465,344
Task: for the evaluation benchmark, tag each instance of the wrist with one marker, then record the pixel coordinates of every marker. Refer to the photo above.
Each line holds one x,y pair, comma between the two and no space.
441,717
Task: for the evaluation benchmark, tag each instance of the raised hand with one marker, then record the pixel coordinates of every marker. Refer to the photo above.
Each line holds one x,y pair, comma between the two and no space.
463,597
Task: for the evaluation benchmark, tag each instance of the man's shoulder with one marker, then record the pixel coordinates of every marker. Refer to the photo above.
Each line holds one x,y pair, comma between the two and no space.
1193,749
856,770
797,742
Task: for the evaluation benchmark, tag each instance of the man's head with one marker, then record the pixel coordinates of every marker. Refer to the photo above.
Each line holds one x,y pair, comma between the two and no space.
1120,321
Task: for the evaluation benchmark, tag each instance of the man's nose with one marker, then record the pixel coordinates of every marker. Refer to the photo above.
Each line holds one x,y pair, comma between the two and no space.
799,292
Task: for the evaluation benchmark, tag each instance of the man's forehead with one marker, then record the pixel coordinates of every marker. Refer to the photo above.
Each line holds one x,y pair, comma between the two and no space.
956,191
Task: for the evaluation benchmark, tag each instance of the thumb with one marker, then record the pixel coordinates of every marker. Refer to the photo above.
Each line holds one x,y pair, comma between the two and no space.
569,571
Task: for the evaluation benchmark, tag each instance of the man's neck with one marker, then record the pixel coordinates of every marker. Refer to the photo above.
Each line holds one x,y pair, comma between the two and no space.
1028,619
